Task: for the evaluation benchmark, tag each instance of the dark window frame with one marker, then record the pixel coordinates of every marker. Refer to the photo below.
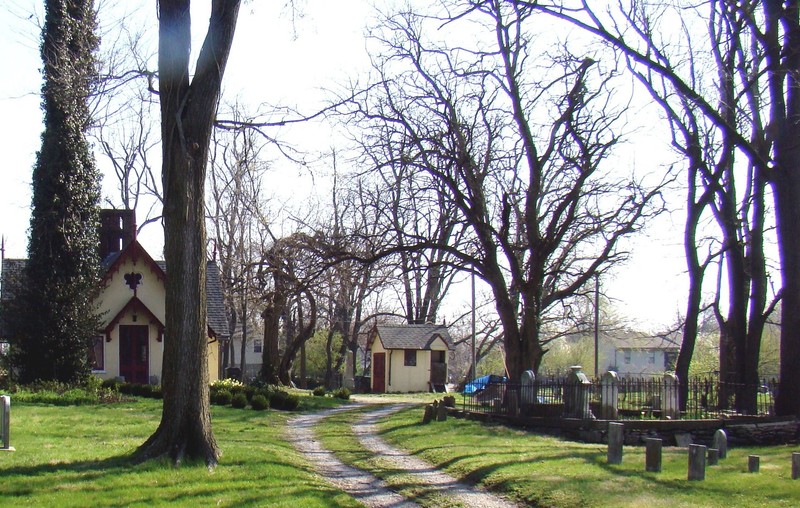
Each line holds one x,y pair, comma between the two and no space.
410,357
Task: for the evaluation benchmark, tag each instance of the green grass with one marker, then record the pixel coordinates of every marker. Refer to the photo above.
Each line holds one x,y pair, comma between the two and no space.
545,471
78,456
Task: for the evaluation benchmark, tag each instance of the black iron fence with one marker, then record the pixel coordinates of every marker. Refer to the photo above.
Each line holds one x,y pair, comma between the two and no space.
631,398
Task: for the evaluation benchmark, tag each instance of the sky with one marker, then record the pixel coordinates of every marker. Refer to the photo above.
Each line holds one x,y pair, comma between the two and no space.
283,59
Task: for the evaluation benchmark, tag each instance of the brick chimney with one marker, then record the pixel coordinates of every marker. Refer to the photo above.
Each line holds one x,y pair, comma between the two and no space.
117,230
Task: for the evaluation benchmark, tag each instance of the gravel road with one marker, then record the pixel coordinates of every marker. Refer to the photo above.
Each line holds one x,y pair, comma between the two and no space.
365,487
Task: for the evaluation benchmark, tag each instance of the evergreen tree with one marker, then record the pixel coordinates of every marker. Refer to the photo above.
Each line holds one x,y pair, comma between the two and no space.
54,319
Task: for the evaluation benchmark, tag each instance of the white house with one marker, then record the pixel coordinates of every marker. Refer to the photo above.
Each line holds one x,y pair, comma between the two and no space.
409,358
632,355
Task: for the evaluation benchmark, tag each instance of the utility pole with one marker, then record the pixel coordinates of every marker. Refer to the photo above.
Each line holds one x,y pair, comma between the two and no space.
474,368
596,323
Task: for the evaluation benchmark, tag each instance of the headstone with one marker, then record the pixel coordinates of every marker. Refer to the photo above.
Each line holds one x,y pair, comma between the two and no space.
616,436
576,394
753,463
713,456
5,423
609,396
697,462
669,397
441,412
429,414
449,401
795,465
683,439
720,442
512,396
652,458
528,389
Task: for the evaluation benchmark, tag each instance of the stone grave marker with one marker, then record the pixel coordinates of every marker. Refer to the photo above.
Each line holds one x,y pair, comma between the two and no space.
753,463
652,458
795,465
5,424
720,442
616,437
697,462
713,456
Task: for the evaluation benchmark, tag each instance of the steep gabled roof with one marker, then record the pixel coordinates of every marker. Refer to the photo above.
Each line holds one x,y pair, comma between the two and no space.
413,336
215,301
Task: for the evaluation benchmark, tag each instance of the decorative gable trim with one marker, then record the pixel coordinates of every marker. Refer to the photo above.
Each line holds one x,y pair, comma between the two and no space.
136,307
136,253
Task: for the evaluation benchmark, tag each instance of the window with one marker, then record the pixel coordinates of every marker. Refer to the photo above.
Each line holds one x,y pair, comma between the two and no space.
97,353
651,358
410,358
627,353
257,345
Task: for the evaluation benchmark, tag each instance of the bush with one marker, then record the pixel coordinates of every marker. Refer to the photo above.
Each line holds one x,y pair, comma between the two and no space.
222,398
342,393
239,401
259,402
284,401
111,384
319,391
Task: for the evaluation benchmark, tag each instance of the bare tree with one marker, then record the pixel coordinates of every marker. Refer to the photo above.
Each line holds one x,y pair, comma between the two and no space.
188,105
715,117
543,212
238,216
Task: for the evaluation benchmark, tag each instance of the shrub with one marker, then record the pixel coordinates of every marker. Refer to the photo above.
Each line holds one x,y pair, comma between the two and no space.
111,384
319,391
284,401
239,401
259,402
222,398
342,393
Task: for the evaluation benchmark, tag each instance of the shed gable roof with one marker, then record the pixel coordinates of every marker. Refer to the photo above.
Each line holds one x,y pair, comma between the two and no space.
413,336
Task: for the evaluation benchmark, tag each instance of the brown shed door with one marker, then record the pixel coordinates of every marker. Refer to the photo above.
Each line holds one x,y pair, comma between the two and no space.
134,353
379,373
438,368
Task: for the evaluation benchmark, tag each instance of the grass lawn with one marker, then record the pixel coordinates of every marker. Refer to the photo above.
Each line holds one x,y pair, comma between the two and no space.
545,471
77,456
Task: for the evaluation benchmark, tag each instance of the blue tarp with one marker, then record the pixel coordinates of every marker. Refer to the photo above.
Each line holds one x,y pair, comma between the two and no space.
477,385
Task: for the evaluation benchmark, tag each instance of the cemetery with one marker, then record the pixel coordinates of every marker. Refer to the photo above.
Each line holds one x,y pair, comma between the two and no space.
578,408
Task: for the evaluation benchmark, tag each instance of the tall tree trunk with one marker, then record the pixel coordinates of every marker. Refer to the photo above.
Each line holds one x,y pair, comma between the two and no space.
187,112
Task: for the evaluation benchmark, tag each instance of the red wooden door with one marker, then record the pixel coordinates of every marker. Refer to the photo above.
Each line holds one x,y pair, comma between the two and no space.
379,373
134,353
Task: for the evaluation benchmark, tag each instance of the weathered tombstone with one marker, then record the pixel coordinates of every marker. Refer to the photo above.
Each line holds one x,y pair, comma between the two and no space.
5,423
609,396
669,397
795,465
429,414
576,394
616,437
720,442
753,463
697,462
683,439
527,385
512,398
441,412
652,457
713,456
449,401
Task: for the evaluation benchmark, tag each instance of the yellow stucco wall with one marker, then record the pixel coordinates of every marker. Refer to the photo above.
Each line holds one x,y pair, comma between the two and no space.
400,378
113,297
